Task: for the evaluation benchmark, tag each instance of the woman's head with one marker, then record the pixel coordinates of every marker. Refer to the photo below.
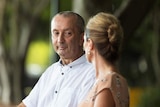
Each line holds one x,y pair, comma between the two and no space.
106,33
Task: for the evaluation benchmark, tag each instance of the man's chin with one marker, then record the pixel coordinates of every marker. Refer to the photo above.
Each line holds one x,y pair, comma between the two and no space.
62,55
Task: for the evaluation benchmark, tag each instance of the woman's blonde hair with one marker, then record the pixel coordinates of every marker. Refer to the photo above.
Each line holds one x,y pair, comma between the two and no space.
106,32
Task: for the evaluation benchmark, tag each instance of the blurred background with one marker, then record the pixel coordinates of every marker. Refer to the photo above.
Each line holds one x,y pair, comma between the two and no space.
26,49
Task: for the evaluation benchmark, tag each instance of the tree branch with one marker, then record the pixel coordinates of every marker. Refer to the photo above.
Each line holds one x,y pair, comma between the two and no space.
133,14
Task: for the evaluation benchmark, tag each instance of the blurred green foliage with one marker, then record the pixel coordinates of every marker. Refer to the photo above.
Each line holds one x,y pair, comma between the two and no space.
65,5
150,98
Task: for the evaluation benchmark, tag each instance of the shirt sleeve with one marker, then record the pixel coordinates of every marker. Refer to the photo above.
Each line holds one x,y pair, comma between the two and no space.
32,99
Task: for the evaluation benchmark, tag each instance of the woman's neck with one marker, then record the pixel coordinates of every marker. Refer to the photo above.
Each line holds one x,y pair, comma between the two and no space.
102,67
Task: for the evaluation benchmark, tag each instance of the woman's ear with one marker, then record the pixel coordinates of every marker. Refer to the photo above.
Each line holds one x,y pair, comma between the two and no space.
90,44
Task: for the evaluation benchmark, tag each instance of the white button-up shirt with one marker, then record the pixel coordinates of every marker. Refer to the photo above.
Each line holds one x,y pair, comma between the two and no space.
62,86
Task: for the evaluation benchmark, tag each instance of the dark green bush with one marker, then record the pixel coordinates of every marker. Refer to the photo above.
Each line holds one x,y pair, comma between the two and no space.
150,98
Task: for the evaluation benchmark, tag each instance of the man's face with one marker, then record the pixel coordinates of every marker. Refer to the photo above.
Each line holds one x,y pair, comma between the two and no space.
67,41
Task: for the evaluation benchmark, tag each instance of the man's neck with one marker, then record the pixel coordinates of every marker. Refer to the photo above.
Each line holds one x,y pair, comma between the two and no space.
66,61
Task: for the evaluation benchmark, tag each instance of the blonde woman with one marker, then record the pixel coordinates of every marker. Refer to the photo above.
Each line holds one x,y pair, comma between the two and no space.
102,41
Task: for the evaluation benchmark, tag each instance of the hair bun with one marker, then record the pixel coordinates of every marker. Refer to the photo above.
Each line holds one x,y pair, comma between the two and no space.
111,32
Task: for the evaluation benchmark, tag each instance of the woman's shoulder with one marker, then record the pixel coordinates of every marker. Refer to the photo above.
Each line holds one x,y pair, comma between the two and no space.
112,80
118,86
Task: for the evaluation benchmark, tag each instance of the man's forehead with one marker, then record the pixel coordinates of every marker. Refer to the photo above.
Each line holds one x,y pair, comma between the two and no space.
60,24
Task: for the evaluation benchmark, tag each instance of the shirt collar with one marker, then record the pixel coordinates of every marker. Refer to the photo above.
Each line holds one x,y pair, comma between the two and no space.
78,61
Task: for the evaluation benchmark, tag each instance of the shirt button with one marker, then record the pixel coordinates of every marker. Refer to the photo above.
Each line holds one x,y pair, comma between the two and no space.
62,73
56,91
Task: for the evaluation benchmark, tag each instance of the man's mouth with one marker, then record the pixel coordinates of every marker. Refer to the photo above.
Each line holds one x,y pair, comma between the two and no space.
61,48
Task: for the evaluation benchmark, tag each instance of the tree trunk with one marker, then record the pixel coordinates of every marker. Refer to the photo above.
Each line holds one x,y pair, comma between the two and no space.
87,8
4,79
14,42
132,13
155,44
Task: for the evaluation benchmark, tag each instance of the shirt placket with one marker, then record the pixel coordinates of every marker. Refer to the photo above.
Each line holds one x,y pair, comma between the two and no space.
62,72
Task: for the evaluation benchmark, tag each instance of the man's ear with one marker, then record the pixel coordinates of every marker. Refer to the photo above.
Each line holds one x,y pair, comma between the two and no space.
81,39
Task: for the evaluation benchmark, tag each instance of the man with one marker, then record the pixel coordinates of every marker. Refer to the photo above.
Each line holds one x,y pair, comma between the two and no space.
66,82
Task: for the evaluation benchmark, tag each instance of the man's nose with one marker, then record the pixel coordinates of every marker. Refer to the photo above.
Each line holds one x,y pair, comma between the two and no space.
61,38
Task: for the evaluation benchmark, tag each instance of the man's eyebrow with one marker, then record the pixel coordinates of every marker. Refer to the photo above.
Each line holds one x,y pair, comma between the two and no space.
67,29
54,30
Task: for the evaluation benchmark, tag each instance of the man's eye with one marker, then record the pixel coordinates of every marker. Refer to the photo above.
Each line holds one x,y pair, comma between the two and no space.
55,33
67,33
